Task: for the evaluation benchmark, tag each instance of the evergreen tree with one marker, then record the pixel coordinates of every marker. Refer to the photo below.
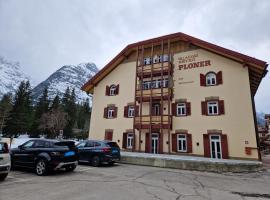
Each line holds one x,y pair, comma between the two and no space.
5,108
41,107
21,117
55,103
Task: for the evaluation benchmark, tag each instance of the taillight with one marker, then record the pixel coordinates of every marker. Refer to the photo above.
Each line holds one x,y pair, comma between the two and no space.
106,150
6,150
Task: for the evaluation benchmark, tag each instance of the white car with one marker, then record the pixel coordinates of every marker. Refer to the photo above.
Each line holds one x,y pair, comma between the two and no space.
4,160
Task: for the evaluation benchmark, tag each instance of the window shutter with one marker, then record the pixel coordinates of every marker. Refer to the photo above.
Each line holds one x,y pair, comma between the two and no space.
107,92
174,142
204,108
147,144
124,142
188,106
136,111
189,143
224,146
117,89
160,143
174,109
115,112
126,111
221,107
108,136
105,115
202,79
134,142
206,145
219,78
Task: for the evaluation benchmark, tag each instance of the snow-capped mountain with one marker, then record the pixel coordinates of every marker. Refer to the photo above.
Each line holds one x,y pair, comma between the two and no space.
11,75
260,118
71,76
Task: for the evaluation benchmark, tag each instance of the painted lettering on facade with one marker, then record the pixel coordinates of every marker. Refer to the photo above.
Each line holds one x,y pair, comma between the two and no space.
189,62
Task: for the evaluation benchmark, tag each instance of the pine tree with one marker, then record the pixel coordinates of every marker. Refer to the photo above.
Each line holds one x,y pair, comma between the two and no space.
41,107
21,117
55,103
5,108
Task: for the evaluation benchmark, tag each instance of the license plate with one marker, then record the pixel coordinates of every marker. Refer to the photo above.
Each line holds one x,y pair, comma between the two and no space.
70,153
115,151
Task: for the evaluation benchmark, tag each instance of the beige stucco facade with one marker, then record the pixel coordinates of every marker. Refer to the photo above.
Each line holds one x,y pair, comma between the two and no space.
237,122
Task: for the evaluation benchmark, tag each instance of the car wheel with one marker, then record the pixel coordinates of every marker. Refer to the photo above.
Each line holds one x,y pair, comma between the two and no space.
111,163
41,167
3,176
70,168
95,161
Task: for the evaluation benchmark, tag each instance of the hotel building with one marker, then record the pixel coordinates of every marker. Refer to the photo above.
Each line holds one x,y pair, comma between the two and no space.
177,94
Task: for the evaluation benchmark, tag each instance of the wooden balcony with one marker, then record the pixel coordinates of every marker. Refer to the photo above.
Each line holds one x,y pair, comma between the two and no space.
145,71
146,95
158,122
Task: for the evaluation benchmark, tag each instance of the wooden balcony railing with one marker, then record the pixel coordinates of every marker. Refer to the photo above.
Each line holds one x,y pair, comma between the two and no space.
156,94
156,69
143,121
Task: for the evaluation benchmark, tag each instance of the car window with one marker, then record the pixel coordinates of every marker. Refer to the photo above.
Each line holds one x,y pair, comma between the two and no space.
39,144
82,144
112,144
90,144
28,144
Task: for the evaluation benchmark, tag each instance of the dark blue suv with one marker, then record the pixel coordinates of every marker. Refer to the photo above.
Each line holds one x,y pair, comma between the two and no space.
98,152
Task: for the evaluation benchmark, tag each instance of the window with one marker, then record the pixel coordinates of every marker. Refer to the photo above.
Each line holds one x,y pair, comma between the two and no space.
82,144
211,79
113,90
90,144
129,140
181,143
155,59
147,61
110,113
28,144
212,108
165,83
131,111
160,59
165,58
181,109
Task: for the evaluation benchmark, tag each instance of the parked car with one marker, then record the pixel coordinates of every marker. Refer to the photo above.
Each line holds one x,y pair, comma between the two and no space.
98,152
4,160
45,155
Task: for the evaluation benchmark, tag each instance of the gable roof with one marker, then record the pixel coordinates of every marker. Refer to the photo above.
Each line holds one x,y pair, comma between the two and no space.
257,67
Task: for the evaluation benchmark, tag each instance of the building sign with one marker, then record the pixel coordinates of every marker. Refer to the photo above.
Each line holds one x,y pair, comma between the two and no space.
189,62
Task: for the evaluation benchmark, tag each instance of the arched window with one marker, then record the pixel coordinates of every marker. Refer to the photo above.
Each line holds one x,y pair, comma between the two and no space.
211,79
112,90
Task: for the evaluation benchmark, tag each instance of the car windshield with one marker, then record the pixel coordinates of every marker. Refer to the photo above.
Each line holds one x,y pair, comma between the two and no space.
112,144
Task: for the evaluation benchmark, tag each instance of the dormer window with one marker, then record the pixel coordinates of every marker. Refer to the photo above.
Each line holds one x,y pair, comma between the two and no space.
211,79
113,90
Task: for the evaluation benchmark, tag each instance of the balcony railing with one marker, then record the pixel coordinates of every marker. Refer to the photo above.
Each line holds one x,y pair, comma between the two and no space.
156,69
145,121
156,94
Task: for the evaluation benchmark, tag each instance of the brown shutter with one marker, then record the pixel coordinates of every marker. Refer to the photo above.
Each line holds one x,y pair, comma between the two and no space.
147,144
202,79
174,109
219,78
108,136
224,146
188,106
105,114
136,111
115,112
174,142
204,108
221,107
124,142
126,111
134,142
189,143
160,143
117,89
206,145
107,92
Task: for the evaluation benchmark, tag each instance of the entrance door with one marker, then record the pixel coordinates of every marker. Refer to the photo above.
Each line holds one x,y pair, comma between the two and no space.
215,145
154,143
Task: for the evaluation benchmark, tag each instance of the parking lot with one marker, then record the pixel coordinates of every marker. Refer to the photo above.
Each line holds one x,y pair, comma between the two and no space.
134,182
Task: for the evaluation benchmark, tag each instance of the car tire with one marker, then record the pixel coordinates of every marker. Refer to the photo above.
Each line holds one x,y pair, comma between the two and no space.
95,161
41,167
70,168
3,176
111,163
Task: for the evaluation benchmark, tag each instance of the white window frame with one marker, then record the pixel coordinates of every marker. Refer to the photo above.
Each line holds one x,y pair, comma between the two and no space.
110,113
147,61
155,59
212,78
182,138
212,105
129,140
131,111
165,83
113,90
165,58
181,109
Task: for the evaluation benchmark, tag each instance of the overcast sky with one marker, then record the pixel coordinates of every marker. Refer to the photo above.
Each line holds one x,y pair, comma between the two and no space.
45,35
